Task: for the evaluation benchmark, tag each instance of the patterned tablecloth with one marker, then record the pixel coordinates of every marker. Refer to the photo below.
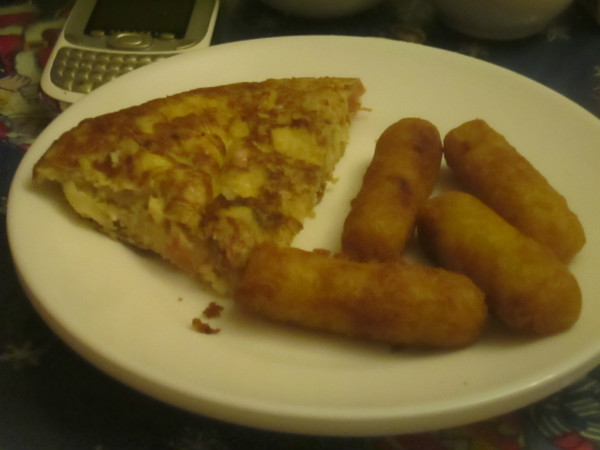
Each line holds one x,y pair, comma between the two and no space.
51,399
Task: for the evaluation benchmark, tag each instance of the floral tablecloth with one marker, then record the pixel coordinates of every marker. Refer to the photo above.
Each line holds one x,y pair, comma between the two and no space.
52,399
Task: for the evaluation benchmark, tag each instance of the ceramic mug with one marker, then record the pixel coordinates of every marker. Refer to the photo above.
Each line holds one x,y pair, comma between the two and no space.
499,19
320,9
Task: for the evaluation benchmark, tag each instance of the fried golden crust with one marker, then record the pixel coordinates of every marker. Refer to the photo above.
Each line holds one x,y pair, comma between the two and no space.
502,178
399,179
199,177
527,287
391,302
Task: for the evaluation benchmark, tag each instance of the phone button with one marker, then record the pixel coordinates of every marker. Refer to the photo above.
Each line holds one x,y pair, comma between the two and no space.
130,41
167,36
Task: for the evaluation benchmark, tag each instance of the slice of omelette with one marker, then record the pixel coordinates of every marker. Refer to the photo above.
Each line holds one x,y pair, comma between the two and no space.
203,176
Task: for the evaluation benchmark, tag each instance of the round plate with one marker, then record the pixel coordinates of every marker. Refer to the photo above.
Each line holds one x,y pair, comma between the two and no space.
130,313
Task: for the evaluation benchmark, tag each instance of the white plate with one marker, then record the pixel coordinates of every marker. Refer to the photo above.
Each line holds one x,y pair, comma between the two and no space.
130,313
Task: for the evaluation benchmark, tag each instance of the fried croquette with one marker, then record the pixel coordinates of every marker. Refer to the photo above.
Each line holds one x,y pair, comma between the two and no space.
394,302
398,180
526,286
495,172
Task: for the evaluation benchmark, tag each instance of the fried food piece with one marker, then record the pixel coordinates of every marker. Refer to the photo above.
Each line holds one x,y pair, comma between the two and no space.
392,302
502,178
527,287
201,176
399,179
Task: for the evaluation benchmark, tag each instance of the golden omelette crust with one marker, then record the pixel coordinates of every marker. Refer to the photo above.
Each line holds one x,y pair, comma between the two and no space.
201,177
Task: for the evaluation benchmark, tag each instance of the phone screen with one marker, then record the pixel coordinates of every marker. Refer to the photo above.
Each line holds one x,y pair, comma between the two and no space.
153,16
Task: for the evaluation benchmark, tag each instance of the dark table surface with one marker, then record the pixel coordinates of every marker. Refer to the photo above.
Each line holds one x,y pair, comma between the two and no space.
52,399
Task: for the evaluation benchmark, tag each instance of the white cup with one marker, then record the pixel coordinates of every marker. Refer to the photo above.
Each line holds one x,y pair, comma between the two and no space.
499,19
321,9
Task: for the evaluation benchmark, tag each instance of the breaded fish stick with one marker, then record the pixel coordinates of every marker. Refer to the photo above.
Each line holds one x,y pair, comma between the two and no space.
394,303
527,287
400,177
497,174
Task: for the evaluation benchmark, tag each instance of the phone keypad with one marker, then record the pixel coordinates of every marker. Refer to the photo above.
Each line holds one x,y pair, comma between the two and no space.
83,71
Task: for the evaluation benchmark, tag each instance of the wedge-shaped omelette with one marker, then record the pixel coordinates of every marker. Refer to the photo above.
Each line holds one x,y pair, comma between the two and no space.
203,176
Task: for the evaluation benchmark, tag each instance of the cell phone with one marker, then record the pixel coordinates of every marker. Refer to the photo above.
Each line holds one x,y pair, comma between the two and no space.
103,39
